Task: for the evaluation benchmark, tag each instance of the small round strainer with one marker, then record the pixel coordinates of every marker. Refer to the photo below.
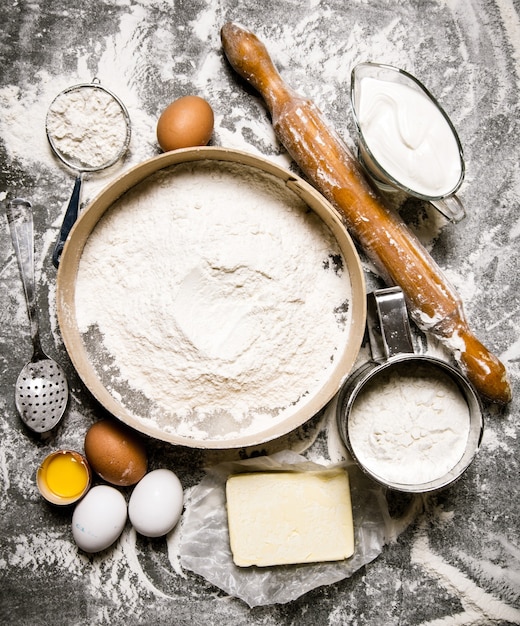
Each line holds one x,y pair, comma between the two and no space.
88,128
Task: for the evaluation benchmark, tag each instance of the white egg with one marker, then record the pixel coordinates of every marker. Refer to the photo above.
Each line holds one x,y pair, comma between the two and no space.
156,503
99,518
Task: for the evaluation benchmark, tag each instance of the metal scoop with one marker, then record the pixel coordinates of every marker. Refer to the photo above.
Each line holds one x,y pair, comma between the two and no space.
88,128
41,388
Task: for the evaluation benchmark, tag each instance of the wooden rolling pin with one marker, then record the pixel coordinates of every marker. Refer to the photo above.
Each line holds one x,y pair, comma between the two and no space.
392,247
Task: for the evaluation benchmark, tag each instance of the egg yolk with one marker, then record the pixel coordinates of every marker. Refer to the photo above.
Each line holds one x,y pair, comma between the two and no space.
65,475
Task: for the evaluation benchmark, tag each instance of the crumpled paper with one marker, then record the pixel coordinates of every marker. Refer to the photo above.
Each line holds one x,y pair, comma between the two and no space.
204,540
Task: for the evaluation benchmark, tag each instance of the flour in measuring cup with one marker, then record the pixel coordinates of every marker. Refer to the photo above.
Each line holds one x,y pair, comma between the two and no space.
212,299
409,425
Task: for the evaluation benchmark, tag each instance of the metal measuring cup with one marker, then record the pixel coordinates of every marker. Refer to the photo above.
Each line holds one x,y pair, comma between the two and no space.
393,354
448,203
67,117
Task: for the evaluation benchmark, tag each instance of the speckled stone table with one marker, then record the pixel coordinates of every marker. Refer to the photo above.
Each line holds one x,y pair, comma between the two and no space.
457,561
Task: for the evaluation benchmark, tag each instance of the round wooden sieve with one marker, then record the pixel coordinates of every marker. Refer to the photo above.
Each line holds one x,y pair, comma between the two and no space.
293,417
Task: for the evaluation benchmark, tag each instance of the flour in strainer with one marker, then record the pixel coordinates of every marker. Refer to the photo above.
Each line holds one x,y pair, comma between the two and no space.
211,298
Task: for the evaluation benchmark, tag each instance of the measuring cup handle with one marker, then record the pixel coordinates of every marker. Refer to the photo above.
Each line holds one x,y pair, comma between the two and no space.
451,207
71,215
388,323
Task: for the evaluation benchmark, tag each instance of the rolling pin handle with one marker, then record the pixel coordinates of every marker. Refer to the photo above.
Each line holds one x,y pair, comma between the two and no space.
248,56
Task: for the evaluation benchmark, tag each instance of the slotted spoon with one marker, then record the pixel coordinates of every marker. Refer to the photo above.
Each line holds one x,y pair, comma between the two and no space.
42,389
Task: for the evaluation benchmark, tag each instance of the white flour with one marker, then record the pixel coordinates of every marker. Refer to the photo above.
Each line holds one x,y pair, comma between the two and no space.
224,309
88,126
409,427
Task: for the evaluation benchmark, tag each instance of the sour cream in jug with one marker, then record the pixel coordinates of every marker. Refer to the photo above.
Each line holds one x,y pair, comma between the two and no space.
409,136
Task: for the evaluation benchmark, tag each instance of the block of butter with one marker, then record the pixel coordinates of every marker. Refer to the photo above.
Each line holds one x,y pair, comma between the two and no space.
281,518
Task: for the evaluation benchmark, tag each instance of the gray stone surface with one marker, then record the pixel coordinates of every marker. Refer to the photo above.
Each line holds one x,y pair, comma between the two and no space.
458,562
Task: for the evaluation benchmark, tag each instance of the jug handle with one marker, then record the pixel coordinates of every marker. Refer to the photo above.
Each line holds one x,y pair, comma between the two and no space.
451,207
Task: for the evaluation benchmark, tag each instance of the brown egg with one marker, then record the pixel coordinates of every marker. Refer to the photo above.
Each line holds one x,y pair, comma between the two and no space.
186,122
116,453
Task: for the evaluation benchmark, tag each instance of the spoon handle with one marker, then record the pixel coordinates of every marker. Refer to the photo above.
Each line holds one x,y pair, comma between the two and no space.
20,219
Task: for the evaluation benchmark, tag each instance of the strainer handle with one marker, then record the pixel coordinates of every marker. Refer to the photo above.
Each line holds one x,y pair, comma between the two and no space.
71,215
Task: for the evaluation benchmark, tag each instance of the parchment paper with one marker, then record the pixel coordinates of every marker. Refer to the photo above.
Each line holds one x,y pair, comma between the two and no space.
204,543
